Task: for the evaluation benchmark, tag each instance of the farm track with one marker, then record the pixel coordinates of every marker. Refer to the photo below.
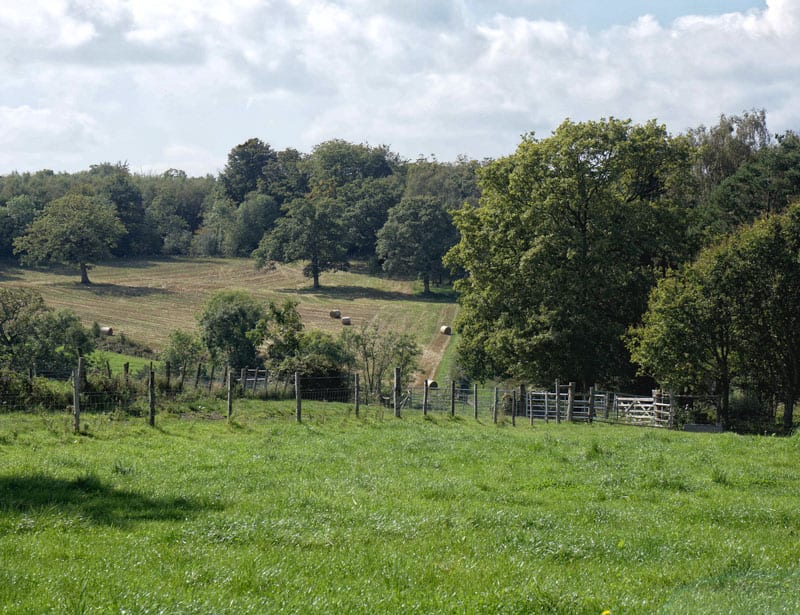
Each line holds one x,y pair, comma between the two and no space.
150,298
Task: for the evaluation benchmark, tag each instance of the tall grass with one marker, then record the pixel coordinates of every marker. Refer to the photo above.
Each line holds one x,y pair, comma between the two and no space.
375,514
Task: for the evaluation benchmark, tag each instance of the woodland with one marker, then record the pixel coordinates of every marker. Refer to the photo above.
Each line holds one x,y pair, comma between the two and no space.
608,253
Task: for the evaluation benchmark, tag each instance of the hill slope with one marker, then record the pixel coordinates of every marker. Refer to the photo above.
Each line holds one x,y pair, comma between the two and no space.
148,299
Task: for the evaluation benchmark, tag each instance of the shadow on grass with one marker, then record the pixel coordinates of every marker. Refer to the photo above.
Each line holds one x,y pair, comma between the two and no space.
89,497
118,290
361,292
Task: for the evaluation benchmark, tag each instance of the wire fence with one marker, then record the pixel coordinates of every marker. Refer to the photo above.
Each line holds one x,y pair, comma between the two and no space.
101,391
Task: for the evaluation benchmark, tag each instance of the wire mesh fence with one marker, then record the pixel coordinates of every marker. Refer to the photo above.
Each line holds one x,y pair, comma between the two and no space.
101,391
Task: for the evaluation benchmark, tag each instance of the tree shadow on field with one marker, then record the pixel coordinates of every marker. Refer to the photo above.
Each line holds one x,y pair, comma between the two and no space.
117,290
88,497
361,292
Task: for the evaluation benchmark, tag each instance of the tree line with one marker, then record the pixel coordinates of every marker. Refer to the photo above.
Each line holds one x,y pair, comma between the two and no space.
608,253
342,201
615,253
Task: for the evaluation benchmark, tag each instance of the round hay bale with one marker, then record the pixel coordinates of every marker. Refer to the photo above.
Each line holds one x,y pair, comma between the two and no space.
336,313
107,331
346,320
445,330
431,384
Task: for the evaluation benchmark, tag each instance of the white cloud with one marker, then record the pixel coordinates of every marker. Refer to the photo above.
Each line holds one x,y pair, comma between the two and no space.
160,81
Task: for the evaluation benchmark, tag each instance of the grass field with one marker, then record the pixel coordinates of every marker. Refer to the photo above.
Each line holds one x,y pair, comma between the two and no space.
148,299
379,515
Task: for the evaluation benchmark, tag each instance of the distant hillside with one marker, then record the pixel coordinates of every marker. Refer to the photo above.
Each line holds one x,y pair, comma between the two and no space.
147,299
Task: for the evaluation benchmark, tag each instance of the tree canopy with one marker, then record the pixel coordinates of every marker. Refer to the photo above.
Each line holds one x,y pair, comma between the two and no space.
561,253
77,229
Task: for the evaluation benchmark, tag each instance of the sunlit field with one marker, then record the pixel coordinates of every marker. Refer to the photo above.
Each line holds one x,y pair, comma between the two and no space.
375,514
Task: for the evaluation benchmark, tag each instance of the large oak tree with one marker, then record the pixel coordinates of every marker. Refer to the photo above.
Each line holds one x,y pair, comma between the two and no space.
77,229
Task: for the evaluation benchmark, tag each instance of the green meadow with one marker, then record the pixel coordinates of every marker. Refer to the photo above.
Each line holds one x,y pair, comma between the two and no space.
375,514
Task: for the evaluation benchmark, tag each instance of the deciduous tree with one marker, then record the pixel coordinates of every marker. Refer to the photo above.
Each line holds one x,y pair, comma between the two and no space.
77,229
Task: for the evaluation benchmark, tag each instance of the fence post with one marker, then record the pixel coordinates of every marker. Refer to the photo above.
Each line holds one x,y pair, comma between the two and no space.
126,370
355,391
514,408
197,375
298,406
452,398
475,400
425,398
494,407
151,398
591,404
546,407
229,385
168,372
558,402
570,401
76,395
671,423
396,392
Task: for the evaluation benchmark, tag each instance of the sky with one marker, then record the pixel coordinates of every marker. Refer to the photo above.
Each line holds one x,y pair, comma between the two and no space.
163,84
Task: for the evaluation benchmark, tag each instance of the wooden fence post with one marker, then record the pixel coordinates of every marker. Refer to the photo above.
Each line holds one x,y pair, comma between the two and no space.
76,395
452,398
425,398
168,371
514,408
494,407
229,385
591,404
356,392
546,407
396,392
197,375
151,398
570,401
475,400
126,371
298,409
558,402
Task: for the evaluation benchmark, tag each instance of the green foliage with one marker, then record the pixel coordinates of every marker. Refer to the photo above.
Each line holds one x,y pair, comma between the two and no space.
245,168
76,229
376,350
31,334
311,229
731,315
418,233
184,350
227,323
569,237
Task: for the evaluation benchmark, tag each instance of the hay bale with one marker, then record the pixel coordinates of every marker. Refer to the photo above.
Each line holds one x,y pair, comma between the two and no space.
431,384
336,313
445,330
107,331
346,320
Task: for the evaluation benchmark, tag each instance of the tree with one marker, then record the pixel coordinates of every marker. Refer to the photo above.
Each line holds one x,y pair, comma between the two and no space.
765,267
376,350
33,334
183,349
77,229
561,253
228,327
687,338
311,229
731,316
245,168
418,233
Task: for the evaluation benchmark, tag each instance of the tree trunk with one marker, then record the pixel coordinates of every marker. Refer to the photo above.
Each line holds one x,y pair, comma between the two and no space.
426,284
84,274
